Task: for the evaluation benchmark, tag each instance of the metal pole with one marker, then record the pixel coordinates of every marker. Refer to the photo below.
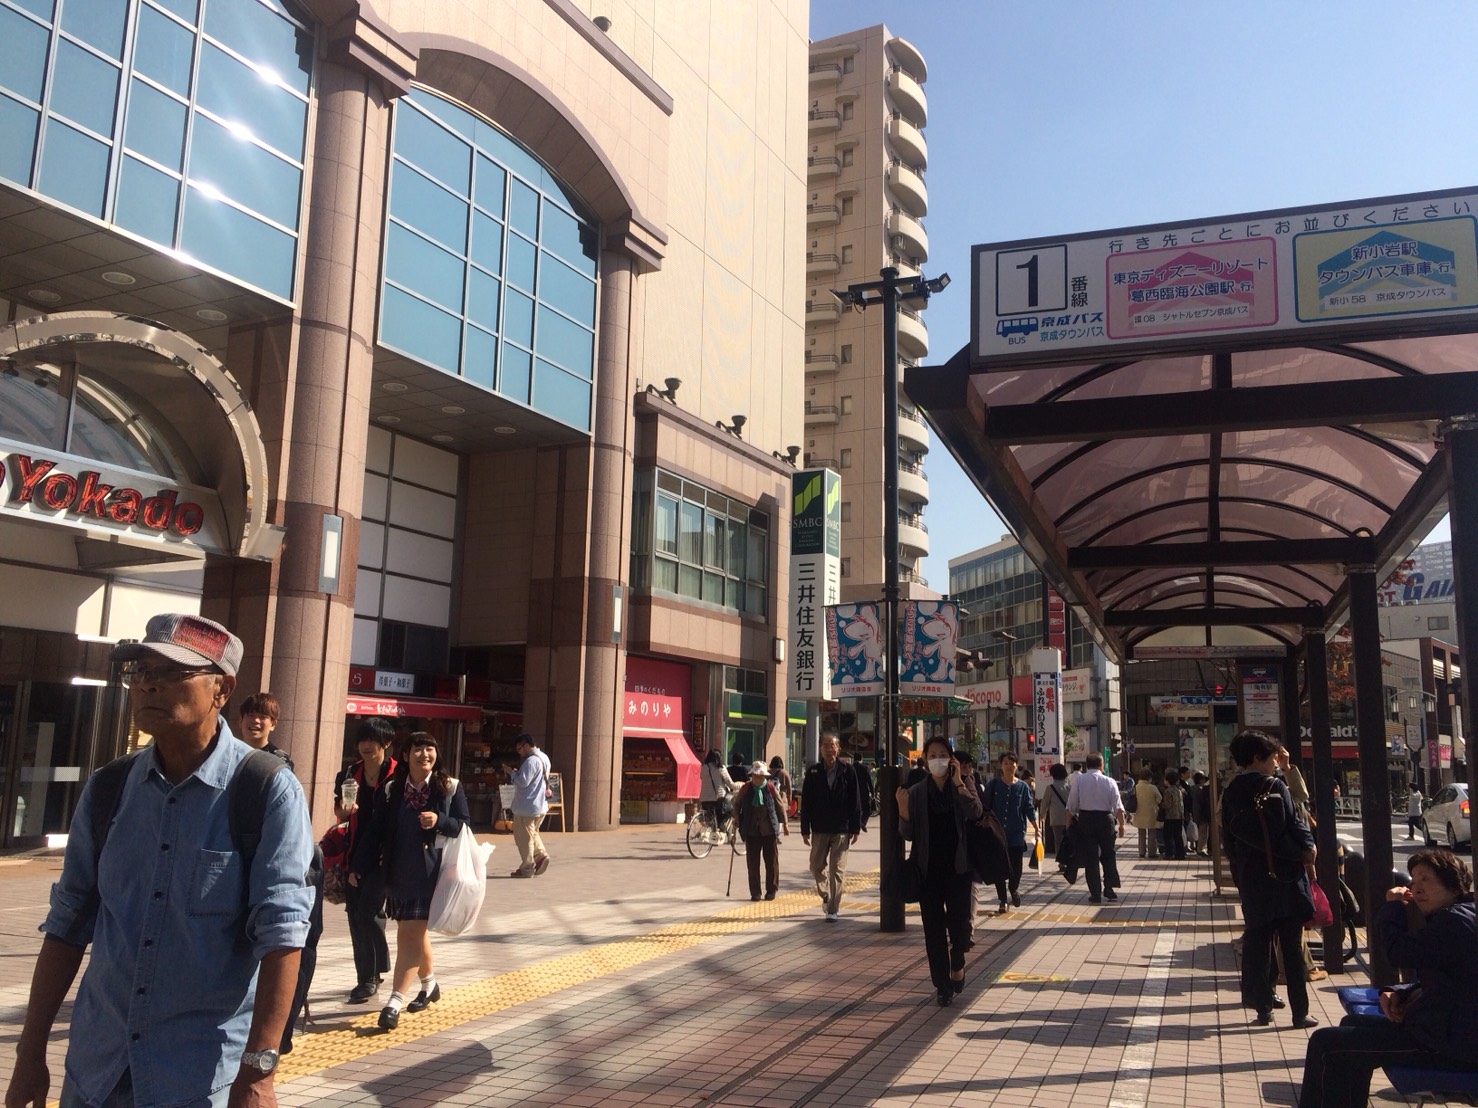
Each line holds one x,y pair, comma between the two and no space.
890,842
1462,503
1326,838
1375,784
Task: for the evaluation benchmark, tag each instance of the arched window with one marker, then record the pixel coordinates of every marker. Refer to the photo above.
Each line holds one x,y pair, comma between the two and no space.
490,263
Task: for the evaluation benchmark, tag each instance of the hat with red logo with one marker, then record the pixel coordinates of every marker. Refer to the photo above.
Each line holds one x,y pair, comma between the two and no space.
188,640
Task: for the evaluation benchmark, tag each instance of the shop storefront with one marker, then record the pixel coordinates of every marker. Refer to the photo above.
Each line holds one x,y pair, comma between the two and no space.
127,455
659,765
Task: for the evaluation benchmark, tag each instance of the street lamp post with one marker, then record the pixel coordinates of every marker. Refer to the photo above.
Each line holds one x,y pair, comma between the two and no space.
1009,638
890,292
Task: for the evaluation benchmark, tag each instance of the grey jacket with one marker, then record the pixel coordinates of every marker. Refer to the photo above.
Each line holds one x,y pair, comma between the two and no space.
916,830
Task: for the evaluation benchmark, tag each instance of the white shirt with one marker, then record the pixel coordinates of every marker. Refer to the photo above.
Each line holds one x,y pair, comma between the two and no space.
1091,791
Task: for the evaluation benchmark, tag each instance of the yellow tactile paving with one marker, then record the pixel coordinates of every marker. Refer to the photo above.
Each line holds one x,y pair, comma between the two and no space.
362,1037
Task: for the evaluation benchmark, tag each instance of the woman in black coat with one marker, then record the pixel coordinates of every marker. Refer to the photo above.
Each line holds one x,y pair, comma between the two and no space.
1431,1022
419,804
932,815
1272,875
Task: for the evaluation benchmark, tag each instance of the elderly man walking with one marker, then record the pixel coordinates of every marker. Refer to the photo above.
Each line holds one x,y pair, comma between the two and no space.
1094,809
195,918
831,820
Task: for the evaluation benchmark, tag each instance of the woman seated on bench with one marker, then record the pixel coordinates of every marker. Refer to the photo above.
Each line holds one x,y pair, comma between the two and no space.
1431,1023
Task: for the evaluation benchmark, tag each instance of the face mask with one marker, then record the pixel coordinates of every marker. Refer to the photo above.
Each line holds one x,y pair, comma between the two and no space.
939,767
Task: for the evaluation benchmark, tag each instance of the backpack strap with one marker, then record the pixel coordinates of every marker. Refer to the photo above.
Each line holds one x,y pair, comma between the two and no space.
246,800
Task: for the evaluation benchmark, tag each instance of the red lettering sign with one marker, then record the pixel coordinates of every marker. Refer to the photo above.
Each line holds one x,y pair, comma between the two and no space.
39,482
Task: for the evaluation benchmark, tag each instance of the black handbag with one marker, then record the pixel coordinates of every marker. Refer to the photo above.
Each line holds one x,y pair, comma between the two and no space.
911,882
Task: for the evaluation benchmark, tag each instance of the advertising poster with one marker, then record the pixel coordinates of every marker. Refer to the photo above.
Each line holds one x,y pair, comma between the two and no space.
1047,703
1261,701
928,634
854,644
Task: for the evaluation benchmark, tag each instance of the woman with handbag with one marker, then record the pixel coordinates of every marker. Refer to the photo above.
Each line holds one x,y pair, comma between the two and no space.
1430,1023
420,803
1272,855
358,791
932,815
715,786
1011,801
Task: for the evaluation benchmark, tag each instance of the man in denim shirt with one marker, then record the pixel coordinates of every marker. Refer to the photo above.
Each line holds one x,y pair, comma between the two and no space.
173,1009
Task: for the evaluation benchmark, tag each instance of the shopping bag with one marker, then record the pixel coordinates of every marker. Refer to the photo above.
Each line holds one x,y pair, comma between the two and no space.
1037,852
1323,914
461,884
335,846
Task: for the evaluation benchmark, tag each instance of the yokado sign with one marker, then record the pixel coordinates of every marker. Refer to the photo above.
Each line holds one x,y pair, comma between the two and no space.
1363,269
815,577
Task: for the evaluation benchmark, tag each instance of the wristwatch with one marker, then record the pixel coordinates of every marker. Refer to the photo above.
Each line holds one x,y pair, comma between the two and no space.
262,1061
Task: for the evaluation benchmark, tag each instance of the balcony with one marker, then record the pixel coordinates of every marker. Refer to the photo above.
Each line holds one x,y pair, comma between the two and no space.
821,363
907,57
913,434
821,166
908,141
822,215
818,414
912,484
909,236
825,73
913,336
819,265
912,576
823,311
821,120
908,186
913,536
908,94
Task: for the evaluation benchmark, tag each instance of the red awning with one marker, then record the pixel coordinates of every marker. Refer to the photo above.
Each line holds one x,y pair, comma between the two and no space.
688,767
423,709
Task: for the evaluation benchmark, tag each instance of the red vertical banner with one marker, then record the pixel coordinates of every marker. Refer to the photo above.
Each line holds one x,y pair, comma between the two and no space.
1056,622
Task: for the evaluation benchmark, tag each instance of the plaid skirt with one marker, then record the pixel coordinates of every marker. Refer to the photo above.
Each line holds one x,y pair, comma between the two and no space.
409,907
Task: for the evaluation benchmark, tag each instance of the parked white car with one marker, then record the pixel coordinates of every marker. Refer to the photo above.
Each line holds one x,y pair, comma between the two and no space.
1447,818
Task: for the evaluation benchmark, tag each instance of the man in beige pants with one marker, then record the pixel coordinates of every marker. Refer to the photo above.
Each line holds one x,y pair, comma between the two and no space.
530,783
831,810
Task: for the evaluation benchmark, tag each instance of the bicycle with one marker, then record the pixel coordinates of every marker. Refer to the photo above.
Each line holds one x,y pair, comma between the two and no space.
703,834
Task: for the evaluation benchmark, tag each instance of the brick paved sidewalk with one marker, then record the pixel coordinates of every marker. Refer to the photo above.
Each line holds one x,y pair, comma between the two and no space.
624,976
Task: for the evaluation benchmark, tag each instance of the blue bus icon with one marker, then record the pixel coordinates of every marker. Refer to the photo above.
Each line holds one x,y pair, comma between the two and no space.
1022,325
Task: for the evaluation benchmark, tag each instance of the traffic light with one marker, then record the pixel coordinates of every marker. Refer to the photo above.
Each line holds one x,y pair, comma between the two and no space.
1119,745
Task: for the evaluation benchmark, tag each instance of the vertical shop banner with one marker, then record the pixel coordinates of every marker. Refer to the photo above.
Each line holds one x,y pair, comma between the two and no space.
1047,703
815,577
930,630
1056,621
1261,697
854,647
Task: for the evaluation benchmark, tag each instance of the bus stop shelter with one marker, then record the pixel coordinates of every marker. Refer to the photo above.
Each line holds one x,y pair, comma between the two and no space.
1217,438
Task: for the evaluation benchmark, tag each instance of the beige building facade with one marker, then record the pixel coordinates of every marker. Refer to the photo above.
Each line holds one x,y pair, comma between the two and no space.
865,205
472,340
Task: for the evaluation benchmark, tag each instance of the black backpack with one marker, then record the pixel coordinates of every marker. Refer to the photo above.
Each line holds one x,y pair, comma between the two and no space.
246,800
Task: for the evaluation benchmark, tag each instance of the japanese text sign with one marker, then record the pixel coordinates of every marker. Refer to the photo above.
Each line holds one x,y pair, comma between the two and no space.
855,648
815,577
1047,701
1360,269
930,632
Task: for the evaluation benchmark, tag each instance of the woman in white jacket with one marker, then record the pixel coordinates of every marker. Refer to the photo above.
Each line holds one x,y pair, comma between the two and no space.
715,787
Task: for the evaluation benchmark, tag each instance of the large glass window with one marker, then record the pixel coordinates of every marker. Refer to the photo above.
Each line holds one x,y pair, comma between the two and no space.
490,265
109,139
696,543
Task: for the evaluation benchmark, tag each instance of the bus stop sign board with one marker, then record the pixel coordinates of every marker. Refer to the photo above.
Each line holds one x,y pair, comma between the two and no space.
1359,270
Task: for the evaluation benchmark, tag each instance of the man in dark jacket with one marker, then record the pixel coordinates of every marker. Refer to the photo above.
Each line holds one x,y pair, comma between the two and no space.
831,811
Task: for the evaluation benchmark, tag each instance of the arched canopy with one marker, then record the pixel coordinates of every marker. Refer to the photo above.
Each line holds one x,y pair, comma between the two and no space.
1211,499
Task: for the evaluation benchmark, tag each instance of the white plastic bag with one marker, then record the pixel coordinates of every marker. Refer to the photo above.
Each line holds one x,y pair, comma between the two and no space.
461,885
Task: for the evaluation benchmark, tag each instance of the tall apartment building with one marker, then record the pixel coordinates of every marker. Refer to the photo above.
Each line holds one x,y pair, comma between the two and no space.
865,205
446,354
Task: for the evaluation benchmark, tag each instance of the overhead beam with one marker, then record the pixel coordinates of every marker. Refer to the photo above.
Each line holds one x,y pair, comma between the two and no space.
1267,407
1270,552
1214,617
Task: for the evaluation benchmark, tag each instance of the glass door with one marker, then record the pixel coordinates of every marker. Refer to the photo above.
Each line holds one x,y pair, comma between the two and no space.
48,750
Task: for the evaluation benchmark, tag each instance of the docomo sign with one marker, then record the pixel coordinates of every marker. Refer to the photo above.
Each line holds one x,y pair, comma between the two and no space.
86,494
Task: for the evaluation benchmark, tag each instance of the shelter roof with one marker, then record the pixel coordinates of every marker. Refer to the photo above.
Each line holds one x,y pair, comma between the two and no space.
1211,499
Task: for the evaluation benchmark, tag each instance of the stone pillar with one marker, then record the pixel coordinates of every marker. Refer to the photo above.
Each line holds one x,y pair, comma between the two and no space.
1370,726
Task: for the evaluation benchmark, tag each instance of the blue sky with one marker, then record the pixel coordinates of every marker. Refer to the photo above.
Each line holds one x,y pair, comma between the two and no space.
1051,118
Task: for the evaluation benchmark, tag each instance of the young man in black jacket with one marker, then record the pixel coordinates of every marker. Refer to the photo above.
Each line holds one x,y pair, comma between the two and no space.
831,811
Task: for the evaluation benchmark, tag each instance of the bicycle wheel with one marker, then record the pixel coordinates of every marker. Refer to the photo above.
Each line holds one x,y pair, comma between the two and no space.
700,836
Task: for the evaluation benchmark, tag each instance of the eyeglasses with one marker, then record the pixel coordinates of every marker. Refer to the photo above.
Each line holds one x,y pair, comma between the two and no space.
159,675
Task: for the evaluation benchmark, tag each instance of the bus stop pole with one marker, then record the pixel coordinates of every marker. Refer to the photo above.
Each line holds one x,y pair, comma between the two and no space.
1375,779
1326,836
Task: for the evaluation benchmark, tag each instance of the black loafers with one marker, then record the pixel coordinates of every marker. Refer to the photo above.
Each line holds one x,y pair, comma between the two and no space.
389,1018
423,999
363,991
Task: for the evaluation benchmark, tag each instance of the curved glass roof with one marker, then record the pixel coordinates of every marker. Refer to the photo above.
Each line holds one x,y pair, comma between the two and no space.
1104,469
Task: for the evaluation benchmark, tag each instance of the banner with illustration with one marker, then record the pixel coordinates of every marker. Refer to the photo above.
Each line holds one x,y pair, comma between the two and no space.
929,632
855,648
